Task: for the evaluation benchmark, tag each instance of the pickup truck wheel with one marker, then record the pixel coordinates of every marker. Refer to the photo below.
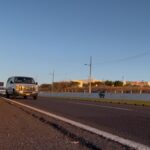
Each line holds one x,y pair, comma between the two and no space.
25,97
34,97
13,95
7,95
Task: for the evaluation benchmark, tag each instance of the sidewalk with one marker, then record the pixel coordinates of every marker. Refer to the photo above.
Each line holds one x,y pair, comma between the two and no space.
20,131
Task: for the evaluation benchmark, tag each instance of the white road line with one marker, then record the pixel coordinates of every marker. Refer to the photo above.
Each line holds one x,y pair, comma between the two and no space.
108,107
107,135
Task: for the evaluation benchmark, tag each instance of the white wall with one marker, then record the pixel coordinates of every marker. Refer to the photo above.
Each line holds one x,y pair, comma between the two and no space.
145,97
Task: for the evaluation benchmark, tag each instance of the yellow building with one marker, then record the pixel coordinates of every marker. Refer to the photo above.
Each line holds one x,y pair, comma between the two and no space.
82,82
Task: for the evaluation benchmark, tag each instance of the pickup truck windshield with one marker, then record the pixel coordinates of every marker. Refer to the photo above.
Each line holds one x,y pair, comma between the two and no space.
25,80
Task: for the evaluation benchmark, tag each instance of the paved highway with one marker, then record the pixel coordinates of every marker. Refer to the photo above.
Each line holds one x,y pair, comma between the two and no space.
131,122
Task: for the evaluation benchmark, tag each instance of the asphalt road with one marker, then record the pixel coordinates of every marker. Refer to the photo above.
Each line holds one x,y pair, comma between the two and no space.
131,122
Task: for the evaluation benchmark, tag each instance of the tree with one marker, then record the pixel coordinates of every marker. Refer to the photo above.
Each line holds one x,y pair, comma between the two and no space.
109,83
118,83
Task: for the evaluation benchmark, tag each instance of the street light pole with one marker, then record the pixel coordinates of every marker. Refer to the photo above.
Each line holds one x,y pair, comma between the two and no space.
90,75
53,77
53,81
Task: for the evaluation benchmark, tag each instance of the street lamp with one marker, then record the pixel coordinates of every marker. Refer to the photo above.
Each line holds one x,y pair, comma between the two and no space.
53,77
90,74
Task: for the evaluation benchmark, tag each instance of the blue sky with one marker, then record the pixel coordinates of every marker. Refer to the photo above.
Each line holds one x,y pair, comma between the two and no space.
37,36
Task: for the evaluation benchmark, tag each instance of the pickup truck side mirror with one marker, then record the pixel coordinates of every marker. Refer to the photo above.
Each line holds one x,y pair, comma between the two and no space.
11,82
36,83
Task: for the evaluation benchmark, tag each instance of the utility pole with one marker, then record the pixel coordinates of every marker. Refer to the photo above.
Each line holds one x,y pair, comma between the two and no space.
53,81
90,75
90,78
53,78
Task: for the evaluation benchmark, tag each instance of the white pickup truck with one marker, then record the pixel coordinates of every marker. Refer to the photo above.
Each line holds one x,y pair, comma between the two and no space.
22,86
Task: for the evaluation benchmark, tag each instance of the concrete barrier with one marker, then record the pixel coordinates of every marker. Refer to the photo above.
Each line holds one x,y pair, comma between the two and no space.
145,97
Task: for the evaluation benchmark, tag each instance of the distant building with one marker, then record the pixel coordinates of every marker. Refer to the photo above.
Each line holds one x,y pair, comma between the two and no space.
138,83
82,82
124,83
148,83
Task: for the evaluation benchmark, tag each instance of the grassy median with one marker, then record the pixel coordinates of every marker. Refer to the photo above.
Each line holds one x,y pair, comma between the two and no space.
113,101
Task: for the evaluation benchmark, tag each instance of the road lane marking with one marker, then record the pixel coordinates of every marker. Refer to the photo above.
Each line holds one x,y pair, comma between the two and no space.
110,107
107,135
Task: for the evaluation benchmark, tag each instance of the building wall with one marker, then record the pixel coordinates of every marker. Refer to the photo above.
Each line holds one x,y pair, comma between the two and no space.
81,82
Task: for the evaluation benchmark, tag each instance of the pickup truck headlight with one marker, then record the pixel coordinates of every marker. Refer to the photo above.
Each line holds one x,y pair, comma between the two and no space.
19,87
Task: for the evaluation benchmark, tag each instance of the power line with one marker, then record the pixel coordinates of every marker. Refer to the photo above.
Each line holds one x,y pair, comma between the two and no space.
125,58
